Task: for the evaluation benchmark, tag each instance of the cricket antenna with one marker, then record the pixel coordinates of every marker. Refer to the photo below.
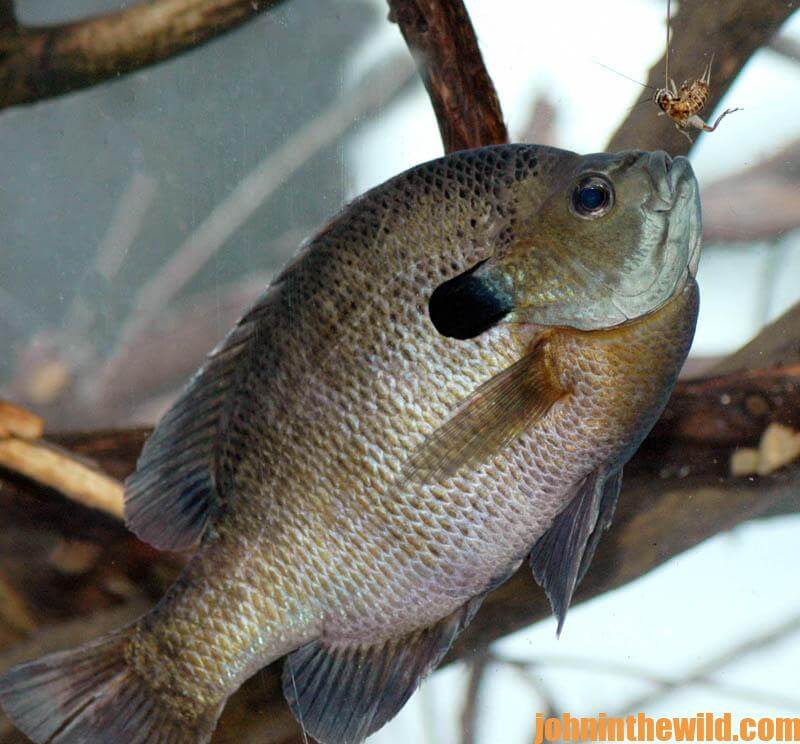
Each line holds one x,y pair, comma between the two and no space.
622,74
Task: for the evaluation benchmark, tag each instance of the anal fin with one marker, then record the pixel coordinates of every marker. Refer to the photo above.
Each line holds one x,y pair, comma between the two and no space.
561,556
341,694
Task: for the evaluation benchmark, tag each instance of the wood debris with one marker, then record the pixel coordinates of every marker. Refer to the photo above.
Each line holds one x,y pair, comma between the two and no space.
74,557
14,609
57,469
19,422
779,446
22,451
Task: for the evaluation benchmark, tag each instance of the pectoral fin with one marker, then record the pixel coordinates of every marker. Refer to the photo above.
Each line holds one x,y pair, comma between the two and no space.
341,693
562,555
496,412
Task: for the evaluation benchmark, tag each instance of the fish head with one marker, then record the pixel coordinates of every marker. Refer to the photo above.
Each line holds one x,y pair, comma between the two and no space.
617,236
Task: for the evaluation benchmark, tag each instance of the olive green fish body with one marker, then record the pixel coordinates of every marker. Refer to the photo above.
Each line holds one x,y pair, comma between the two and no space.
449,375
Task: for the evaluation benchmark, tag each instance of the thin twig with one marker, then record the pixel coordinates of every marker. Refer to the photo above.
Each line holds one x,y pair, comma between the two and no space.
440,36
470,712
148,363
548,705
37,63
630,671
57,469
263,181
702,673
125,224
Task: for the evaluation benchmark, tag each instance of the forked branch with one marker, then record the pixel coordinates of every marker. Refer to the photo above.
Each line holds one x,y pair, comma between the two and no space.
42,62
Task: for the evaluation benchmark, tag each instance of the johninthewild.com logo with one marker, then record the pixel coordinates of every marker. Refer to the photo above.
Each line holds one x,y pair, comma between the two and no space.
710,727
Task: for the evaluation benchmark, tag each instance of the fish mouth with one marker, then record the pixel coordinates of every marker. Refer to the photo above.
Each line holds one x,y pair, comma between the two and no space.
662,180
668,176
675,177
674,197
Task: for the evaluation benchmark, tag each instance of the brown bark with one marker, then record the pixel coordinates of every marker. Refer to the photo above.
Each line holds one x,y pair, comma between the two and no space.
732,409
439,34
730,29
778,344
37,63
7,16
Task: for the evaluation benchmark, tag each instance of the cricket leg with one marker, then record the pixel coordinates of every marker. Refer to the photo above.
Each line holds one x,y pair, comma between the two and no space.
705,127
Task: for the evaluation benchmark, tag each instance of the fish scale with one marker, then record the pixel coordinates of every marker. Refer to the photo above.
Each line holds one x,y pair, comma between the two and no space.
357,477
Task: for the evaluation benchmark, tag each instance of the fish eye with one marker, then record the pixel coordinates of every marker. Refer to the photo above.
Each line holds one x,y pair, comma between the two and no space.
593,197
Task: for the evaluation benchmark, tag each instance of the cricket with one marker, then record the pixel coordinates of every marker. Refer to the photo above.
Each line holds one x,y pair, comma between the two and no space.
683,105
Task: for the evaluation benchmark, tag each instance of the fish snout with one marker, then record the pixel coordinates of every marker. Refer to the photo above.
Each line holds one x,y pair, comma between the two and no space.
678,172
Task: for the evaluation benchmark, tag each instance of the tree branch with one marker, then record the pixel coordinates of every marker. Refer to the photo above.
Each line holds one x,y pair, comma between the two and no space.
778,344
766,196
730,29
441,38
732,409
8,18
718,413
37,63
786,47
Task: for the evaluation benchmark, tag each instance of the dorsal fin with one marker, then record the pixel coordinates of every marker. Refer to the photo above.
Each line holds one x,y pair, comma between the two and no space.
341,693
561,556
172,495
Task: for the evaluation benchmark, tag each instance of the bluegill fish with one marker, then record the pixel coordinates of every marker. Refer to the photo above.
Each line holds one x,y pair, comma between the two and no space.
447,380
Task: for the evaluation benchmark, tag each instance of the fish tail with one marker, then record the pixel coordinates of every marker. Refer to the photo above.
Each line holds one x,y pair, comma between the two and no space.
91,695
